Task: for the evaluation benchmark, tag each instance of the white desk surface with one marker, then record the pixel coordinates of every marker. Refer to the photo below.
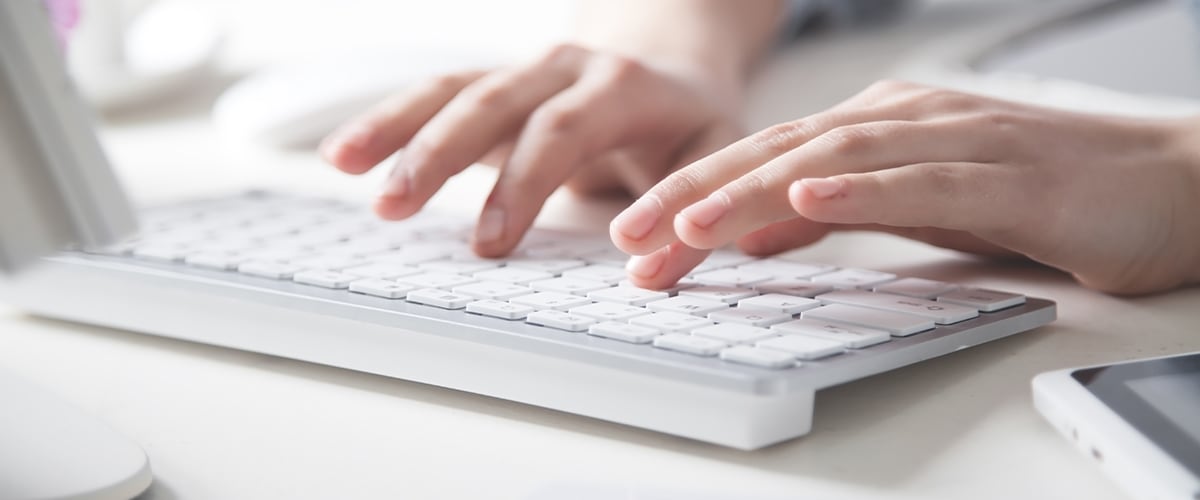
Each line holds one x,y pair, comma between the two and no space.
219,423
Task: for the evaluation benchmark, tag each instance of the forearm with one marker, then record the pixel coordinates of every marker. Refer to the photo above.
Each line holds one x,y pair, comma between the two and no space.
719,40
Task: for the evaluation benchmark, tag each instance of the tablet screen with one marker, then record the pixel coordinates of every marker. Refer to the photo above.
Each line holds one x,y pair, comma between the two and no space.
1159,397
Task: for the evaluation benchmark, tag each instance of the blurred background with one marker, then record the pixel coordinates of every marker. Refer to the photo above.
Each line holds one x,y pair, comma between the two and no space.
241,90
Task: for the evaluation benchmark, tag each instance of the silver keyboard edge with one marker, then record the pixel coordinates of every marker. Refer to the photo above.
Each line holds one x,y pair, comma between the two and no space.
709,372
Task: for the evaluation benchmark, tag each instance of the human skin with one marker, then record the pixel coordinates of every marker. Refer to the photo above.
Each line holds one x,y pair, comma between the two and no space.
1113,201
645,88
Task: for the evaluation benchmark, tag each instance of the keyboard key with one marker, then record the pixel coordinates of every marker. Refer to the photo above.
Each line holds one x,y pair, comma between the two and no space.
410,256
731,333
721,259
920,288
803,347
387,289
670,322
897,324
268,269
498,309
983,300
624,332
162,252
224,261
731,277
687,305
327,263
853,278
382,271
782,269
324,278
798,288
757,356
445,281
726,294
560,320
512,275
777,302
608,311
854,337
941,312
552,266
550,300
749,316
459,266
604,274
495,290
690,344
671,291
439,298
628,295
573,286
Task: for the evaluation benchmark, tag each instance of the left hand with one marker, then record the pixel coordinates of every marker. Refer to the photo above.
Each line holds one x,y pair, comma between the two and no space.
1111,200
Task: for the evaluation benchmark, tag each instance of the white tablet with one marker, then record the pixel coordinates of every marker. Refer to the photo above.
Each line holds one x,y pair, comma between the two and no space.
1139,420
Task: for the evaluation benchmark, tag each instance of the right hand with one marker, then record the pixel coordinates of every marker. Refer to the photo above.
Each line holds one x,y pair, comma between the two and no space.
590,120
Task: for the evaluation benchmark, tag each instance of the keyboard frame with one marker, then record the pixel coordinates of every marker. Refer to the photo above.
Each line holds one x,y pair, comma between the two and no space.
699,398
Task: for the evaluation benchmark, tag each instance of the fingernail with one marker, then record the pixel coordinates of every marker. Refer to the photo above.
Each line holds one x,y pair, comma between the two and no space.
823,188
637,220
708,211
646,266
397,183
491,225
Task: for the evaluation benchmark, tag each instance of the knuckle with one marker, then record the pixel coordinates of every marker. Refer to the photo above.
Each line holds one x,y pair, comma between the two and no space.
780,138
618,68
946,101
753,184
558,119
450,83
851,139
683,184
890,86
563,52
490,93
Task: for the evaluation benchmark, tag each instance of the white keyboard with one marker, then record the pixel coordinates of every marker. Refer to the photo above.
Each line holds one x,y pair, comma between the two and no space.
731,355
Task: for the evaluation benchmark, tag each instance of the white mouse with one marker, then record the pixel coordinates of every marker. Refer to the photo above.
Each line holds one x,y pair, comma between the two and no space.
294,106
52,450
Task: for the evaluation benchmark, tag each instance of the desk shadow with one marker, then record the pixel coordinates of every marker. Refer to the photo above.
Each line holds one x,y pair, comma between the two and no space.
157,491
890,424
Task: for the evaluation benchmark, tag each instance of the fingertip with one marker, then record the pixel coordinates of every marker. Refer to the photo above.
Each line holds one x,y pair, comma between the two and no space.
632,229
347,148
808,196
495,233
392,208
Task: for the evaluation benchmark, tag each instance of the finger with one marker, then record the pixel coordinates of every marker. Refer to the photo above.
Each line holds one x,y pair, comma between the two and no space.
760,196
480,117
640,228
562,134
665,266
800,232
782,236
364,141
972,197
647,224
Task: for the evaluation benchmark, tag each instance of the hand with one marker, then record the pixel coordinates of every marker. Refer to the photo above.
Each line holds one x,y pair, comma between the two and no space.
594,121
1114,201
